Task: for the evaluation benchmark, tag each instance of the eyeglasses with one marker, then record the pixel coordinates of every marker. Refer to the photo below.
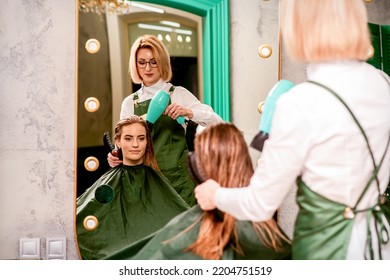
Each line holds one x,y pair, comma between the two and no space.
142,63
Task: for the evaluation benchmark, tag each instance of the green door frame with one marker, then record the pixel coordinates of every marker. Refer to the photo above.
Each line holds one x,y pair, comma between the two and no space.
216,48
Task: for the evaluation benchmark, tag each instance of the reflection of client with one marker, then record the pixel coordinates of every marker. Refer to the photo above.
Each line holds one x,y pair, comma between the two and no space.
219,150
129,201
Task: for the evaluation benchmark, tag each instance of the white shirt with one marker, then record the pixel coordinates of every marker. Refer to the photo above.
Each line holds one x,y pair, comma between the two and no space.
313,135
203,114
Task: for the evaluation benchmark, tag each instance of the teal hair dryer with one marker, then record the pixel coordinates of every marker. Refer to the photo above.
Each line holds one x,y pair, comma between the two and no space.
277,90
157,107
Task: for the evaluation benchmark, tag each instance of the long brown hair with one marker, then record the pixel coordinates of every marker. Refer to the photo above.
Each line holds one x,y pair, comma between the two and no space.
149,158
223,155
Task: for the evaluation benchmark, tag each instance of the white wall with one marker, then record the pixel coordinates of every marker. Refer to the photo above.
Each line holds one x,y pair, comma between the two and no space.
252,24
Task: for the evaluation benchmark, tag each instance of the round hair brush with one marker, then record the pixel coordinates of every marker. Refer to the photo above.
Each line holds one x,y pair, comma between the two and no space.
199,176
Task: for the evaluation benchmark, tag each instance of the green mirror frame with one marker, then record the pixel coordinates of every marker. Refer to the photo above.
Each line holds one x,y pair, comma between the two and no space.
216,49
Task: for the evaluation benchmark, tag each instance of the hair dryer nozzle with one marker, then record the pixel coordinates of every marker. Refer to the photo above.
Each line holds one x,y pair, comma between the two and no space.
277,90
259,140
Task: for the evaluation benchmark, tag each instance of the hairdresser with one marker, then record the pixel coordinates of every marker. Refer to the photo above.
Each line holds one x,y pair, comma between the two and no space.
150,66
330,135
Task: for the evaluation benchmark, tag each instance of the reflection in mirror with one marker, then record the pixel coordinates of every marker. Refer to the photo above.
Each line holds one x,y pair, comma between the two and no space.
104,42
103,70
129,201
104,194
92,45
90,223
104,74
91,104
91,163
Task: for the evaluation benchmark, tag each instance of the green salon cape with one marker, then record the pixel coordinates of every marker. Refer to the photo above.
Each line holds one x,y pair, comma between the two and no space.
155,247
143,201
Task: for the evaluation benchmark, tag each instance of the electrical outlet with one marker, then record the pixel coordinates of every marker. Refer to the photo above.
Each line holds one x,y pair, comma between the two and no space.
29,248
56,248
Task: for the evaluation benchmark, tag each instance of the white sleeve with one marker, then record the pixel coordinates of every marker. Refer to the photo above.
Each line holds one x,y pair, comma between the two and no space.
127,108
203,114
281,163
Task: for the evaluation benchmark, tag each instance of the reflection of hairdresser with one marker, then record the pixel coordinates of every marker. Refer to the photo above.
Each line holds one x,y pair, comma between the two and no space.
341,169
129,201
220,153
150,66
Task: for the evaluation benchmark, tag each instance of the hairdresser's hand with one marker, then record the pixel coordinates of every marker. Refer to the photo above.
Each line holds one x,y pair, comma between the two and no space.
113,161
175,110
205,194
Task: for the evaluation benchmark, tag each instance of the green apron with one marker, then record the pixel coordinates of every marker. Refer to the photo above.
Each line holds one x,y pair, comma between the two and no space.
154,247
323,227
141,201
169,142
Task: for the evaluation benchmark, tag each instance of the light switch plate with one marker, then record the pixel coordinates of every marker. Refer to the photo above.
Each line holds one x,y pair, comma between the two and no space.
56,248
29,248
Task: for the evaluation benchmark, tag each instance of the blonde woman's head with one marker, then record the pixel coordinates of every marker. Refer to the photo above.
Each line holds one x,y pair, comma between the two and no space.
325,30
160,53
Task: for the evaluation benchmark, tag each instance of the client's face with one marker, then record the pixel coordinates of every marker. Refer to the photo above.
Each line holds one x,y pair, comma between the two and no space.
133,143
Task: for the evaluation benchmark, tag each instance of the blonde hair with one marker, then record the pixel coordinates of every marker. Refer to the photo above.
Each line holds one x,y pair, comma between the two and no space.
316,31
223,156
149,156
160,54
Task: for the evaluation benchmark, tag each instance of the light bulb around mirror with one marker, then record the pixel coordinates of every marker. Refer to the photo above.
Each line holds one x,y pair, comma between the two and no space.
91,163
92,45
264,51
371,52
91,104
260,106
90,223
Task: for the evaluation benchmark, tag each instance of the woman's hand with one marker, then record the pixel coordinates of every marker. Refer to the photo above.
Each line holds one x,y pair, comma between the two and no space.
205,194
113,161
175,110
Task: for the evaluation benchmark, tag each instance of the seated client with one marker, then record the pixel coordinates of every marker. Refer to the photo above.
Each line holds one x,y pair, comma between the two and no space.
219,150
130,201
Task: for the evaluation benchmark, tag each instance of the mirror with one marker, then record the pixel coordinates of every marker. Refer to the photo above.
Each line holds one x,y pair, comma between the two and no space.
104,41
191,35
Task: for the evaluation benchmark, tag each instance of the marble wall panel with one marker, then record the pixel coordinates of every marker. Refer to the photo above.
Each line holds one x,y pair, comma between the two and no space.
37,111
